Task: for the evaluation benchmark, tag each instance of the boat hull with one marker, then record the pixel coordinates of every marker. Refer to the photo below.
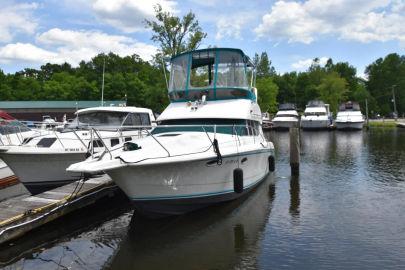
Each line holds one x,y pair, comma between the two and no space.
177,188
284,125
314,124
39,172
349,125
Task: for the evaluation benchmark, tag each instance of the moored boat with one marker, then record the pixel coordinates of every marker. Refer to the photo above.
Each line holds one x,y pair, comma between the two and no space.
286,117
208,147
316,116
40,162
349,117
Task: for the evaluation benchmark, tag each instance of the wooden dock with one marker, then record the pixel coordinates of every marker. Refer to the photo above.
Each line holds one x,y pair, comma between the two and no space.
21,214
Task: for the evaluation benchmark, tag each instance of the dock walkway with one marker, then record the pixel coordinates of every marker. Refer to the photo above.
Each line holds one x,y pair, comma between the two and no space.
21,214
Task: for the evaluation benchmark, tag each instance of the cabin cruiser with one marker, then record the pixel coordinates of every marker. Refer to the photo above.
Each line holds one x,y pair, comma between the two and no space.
41,161
12,132
208,146
267,124
286,117
349,116
316,116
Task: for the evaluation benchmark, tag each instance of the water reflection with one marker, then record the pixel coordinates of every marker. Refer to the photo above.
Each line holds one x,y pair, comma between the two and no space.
295,196
219,237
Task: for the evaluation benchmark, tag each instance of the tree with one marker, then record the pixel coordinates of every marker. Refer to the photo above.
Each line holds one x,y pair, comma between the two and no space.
386,75
173,34
332,90
263,66
267,91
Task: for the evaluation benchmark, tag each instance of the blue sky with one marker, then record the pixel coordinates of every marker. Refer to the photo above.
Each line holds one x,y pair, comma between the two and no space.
291,32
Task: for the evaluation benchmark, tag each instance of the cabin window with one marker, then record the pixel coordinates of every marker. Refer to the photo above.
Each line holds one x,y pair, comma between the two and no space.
97,143
137,119
46,142
178,77
127,139
202,69
100,118
114,142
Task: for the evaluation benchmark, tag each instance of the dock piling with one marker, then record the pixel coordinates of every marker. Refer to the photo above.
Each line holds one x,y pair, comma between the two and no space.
294,151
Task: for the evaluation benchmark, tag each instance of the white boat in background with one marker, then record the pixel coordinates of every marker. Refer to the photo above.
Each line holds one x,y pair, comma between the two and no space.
286,117
316,116
40,162
349,117
208,147
267,124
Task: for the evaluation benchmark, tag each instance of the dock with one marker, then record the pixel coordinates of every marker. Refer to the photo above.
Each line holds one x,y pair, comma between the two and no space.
19,215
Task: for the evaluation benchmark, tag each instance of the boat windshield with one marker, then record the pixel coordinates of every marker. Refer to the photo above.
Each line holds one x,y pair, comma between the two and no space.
12,127
227,126
110,119
287,115
217,74
314,113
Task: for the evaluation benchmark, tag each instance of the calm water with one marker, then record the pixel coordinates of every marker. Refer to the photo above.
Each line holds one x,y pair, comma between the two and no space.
346,210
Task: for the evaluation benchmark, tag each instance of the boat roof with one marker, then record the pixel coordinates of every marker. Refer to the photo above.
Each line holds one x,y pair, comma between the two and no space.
349,106
287,107
247,59
316,103
129,109
5,116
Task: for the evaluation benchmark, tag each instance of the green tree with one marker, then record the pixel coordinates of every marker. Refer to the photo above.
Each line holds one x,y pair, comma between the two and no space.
267,94
263,66
332,90
173,34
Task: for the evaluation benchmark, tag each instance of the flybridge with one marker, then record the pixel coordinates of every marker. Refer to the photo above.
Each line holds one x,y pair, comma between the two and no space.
216,73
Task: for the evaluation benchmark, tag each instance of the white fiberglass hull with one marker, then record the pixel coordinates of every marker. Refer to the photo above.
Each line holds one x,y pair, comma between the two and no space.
349,125
284,124
314,123
177,188
41,172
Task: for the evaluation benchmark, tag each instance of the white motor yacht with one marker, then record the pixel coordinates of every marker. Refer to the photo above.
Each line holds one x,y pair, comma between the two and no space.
208,147
267,124
316,116
40,162
349,117
286,117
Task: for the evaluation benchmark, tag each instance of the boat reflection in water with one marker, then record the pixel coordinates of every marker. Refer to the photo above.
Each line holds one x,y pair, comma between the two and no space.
224,236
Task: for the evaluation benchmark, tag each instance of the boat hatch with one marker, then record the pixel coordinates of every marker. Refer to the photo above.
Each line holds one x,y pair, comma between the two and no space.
46,142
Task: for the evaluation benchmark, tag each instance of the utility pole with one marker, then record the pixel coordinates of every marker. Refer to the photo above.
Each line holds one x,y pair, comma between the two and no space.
395,104
102,85
367,113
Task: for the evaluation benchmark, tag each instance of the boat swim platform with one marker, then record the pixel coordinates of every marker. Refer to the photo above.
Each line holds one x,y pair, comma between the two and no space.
21,214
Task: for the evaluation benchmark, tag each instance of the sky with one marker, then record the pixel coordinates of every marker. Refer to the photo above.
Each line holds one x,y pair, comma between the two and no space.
291,32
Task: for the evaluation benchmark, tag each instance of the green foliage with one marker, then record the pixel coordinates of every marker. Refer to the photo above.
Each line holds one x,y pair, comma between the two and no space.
385,76
127,77
267,92
173,34
332,90
263,65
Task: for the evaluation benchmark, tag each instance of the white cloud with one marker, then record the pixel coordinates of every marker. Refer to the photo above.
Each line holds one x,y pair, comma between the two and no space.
24,52
306,63
361,20
231,26
73,46
129,15
16,18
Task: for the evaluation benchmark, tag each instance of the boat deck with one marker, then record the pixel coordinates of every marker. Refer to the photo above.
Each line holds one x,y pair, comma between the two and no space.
21,214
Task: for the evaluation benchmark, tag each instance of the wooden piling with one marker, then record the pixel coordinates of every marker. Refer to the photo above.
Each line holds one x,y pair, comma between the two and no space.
295,151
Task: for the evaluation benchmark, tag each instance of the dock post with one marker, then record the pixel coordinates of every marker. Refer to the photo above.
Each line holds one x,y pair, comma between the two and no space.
294,150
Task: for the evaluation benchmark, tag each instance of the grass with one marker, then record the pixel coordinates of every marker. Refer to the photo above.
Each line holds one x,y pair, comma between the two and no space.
390,123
